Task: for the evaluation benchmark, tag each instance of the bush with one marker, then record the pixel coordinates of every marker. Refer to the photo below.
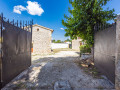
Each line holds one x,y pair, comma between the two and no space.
85,49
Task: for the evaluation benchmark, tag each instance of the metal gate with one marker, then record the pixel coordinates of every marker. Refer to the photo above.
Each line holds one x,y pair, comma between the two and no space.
15,48
104,51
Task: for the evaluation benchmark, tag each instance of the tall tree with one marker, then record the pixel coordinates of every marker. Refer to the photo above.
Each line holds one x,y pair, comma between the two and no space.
84,15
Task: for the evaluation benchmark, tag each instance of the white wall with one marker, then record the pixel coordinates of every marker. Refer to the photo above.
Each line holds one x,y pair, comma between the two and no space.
60,45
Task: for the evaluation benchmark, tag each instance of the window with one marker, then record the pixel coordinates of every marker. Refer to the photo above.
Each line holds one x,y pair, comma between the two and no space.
37,29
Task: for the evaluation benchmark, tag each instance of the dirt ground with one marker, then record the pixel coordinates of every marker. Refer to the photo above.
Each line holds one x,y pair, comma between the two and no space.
46,70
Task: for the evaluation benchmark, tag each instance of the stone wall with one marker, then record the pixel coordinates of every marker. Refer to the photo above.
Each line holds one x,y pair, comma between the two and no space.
41,39
76,44
118,54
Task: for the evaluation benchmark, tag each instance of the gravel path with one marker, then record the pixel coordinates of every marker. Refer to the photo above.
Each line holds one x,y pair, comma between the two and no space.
47,70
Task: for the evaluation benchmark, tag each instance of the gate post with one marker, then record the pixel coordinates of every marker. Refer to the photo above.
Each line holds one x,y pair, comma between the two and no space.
117,63
1,38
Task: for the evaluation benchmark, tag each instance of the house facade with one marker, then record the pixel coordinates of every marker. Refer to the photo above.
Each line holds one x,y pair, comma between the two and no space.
76,43
41,39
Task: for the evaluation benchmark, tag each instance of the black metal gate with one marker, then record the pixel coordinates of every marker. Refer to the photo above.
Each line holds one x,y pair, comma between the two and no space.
15,48
104,51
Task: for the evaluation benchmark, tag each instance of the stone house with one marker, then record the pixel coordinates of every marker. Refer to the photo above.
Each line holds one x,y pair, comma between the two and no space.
76,43
41,39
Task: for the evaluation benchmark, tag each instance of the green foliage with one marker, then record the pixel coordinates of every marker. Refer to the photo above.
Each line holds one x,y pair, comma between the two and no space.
68,40
58,41
53,41
85,49
84,15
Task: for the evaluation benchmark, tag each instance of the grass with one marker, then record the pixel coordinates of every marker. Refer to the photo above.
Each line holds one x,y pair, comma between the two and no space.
54,51
100,88
20,85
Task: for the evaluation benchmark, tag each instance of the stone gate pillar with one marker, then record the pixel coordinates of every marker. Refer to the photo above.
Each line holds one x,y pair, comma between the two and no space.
117,62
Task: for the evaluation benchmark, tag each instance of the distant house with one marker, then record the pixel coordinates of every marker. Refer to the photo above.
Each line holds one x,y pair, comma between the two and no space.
41,39
76,43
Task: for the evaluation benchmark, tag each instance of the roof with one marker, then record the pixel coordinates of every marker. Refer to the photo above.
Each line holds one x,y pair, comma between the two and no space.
43,27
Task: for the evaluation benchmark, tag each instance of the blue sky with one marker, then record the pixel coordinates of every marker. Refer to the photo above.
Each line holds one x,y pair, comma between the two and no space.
50,14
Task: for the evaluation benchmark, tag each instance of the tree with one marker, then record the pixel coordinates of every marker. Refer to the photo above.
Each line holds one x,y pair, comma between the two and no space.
68,40
84,15
53,41
58,41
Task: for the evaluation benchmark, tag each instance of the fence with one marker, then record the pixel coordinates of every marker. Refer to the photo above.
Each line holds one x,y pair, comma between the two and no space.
15,48
104,51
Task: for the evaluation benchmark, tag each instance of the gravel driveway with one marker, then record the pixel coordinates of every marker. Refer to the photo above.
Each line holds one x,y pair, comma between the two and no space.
47,70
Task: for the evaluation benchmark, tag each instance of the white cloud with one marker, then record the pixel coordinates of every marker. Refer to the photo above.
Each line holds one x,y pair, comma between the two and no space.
62,28
33,8
18,9
118,14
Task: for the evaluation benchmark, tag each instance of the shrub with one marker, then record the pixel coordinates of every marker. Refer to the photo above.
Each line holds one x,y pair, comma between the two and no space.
85,49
